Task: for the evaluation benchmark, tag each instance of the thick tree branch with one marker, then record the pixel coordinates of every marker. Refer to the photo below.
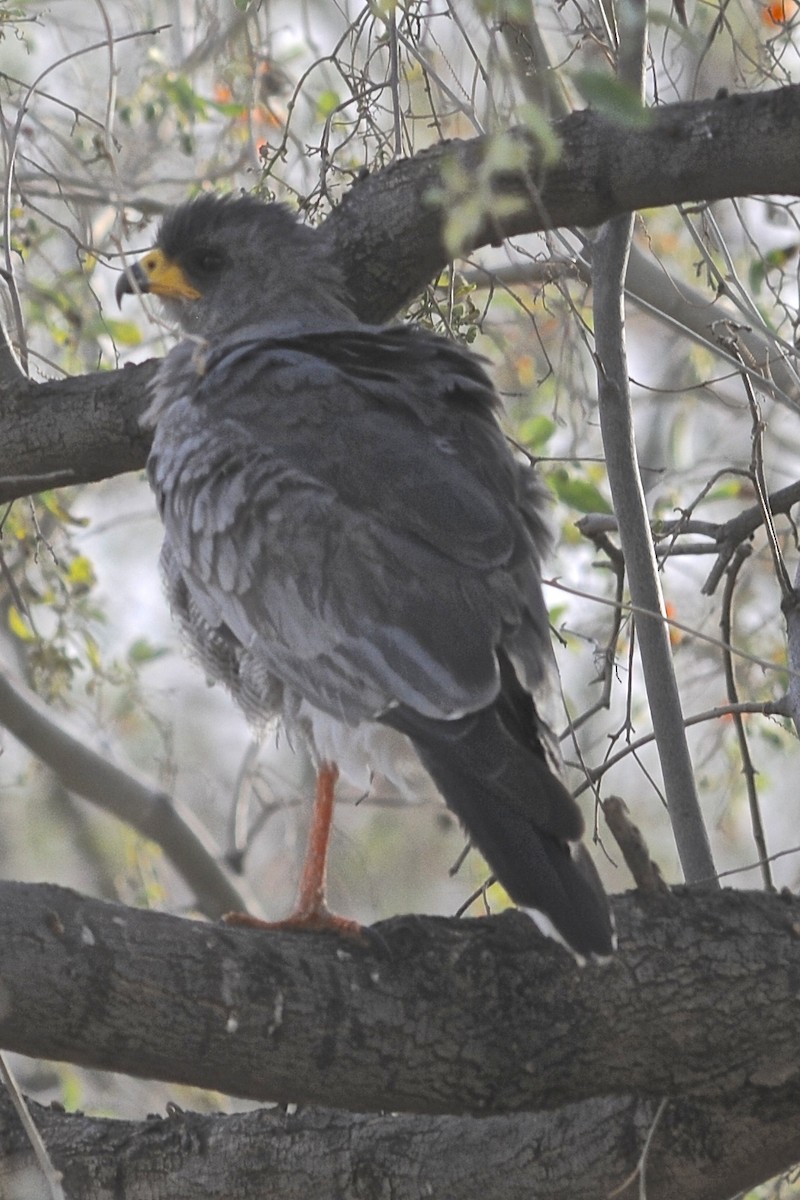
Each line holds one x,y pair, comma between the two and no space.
74,430
699,1151
477,1014
11,374
455,1016
389,230
389,234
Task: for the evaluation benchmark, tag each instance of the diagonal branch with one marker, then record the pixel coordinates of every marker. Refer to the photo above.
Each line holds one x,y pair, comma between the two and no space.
149,810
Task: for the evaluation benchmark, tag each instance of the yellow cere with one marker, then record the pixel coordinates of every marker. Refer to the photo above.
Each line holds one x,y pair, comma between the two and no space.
166,278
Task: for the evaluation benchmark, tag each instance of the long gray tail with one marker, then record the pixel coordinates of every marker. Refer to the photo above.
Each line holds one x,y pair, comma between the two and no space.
492,772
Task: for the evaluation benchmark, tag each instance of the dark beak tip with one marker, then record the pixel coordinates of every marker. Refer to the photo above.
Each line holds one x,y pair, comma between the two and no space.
133,280
123,288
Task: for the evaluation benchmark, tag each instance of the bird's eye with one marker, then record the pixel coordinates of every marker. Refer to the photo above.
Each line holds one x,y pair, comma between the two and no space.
206,262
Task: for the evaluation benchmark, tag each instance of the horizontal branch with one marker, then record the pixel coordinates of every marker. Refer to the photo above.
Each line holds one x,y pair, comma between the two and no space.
389,232
389,229
75,430
478,1016
697,1150
725,537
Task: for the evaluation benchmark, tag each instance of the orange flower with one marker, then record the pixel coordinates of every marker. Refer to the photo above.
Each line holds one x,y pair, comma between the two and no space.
779,12
675,635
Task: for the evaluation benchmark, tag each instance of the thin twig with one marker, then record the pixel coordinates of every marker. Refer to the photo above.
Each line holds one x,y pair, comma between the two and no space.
394,79
755,866
609,654
639,1169
672,623
50,1173
748,769
767,709
760,484
12,142
725,537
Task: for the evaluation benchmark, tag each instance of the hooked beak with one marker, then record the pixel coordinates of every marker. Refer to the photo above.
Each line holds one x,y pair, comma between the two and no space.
157,274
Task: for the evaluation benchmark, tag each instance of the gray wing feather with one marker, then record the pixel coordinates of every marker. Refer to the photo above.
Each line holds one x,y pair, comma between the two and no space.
356,561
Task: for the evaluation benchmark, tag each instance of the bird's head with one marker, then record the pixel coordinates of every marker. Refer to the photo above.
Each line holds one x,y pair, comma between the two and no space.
221,263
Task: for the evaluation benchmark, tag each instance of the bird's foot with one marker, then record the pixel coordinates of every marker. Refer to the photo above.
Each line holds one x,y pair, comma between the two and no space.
318,919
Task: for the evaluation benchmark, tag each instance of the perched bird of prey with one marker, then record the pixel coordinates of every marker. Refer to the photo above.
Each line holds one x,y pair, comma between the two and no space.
351,544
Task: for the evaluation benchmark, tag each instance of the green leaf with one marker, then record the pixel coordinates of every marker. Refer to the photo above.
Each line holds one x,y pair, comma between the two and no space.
180,92
535,432
228,108
607,95
471,197
578,493
52,502
125,333
537,122
726,490
141,651
327,103
92,652
775,260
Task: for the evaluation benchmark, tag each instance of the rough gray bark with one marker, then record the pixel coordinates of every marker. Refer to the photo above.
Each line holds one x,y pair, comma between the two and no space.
700,1150
389,235
699,1006
445,1017
75,430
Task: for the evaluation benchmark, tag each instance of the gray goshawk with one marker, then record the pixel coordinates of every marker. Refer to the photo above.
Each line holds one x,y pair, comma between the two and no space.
351,544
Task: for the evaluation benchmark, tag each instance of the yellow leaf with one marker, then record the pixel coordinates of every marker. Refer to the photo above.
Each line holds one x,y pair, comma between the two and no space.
92,651
81,572
19,625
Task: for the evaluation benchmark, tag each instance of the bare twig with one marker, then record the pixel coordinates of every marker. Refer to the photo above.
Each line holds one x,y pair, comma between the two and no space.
541,85
748,769
713,714
672,623
683,309
639,1169
793,642
725,537
630,839
52,1176
12,141
609,653
760,484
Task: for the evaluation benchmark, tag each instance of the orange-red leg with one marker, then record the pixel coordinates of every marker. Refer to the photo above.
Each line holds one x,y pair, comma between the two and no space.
311,911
